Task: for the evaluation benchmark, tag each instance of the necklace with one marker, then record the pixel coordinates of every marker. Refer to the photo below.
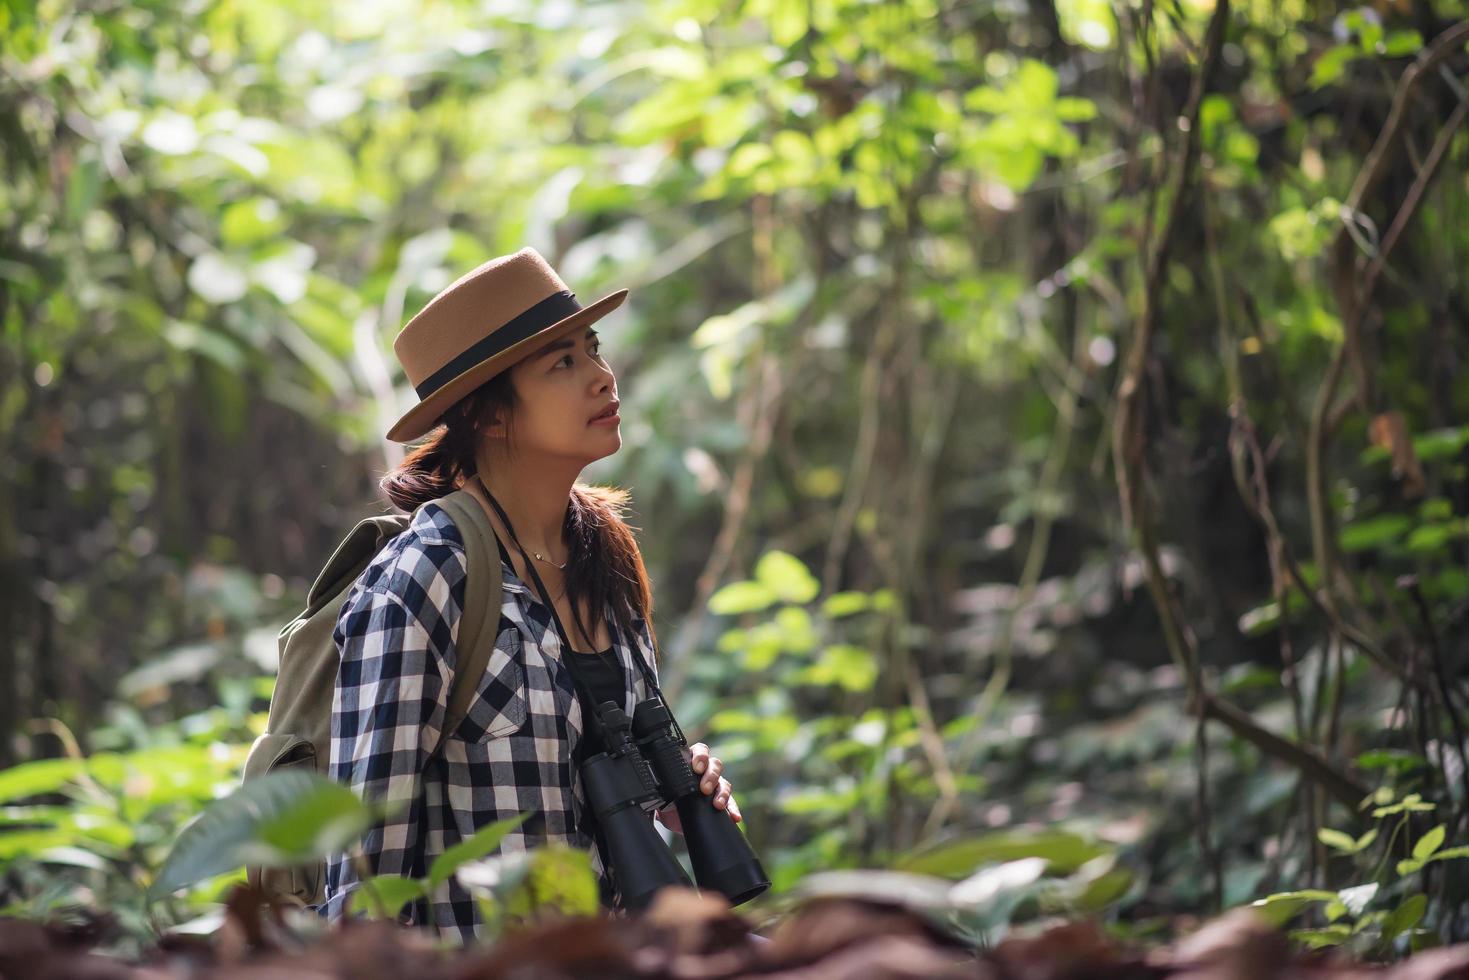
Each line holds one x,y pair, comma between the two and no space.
565,641
539,556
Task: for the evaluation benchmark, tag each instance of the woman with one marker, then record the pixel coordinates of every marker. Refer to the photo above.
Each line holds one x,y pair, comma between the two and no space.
519,398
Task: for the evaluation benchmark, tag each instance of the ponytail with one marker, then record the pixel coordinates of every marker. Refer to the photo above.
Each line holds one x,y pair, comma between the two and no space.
436,467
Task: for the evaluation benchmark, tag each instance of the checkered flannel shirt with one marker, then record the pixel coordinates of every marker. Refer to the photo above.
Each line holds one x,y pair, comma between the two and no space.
513,752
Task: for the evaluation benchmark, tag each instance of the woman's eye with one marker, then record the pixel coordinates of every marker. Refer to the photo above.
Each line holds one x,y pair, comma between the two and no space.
597,351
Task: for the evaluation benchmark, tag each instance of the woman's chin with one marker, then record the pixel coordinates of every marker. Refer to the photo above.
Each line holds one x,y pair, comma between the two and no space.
610,443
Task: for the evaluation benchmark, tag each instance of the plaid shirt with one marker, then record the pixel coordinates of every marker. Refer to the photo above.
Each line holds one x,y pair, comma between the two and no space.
512,753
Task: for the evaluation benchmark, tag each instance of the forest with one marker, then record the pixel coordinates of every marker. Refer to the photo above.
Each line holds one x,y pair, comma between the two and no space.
1045,422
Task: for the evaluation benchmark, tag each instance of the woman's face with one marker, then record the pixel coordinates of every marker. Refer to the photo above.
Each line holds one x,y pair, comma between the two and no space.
558,391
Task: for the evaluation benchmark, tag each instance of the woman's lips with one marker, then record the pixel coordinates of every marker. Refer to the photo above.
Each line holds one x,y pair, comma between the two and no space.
612,419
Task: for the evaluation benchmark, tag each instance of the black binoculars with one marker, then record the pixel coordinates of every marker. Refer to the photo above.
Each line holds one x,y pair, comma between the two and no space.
646,767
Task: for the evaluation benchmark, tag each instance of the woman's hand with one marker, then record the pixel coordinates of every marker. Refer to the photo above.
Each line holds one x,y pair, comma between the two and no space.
713,784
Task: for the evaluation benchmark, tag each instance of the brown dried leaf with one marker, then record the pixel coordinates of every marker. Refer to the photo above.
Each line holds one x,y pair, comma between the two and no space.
1241,945
1072,950
1389,430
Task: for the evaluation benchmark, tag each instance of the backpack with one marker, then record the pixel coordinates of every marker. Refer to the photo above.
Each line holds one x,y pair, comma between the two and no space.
298,731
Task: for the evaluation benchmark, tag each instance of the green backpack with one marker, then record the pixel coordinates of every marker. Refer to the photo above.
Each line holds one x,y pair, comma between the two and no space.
298,732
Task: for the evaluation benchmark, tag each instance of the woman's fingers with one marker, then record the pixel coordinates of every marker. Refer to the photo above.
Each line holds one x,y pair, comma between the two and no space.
711,779
722,794
712,767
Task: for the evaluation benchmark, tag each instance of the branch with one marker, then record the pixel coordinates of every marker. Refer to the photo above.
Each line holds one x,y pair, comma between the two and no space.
1413,198
1308,761
1351,302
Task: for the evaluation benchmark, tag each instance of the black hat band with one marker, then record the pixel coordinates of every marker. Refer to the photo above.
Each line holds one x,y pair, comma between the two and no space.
551,310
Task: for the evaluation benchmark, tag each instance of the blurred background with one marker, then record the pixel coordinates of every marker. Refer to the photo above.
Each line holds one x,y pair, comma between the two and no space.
1045,421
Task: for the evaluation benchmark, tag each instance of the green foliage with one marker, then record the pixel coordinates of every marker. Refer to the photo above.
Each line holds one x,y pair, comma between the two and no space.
889,264
1347,911
283,819
385,895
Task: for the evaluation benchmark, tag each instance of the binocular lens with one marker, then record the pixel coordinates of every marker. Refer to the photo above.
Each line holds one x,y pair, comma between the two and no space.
646,764
722,858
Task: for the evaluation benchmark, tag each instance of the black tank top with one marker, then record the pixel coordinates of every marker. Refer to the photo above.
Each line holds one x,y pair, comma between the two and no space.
603,673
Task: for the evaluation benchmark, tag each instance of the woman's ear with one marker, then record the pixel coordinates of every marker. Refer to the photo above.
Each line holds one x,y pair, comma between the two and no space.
493,427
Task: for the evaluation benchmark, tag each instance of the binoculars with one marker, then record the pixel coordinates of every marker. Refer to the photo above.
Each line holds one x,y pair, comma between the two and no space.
645,767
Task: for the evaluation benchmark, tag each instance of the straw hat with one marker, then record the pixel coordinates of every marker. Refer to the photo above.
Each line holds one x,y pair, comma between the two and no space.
480,324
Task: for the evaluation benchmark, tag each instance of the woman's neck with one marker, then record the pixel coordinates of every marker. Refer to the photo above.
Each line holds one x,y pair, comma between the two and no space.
535,499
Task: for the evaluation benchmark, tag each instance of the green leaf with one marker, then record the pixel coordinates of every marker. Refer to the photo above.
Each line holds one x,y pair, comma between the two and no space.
1400,44
1404,917
1440,443
485,841
787,576
1281,907
1379,796
253,220
1337,840
1430,538
1412,803
495,876
1074,109
809,801
1260,620
216,841
988,897
394,891
842,604
560,882
852,668
1065,852
33,778
32,843
1430,842
327,819
1374,532
912,890
1333,935
1451,853
1394,759
741,597
1331,63
1105,889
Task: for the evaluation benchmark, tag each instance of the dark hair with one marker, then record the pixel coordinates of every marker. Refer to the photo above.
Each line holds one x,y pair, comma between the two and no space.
604,564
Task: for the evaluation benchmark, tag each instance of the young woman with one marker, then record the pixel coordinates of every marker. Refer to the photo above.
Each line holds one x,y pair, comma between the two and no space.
516,399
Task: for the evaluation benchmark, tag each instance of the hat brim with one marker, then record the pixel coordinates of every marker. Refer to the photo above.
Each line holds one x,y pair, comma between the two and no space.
425,415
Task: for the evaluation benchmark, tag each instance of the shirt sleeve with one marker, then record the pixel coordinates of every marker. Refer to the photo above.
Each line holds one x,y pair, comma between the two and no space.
396,640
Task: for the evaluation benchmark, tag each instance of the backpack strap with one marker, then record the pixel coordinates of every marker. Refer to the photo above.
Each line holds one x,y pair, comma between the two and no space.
351,556
482,589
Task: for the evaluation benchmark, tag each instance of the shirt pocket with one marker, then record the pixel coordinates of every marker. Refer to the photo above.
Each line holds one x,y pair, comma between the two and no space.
499,706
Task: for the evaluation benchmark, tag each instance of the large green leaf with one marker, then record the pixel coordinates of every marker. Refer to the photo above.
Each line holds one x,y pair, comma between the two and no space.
216,842
1064,851
327,819
42,776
